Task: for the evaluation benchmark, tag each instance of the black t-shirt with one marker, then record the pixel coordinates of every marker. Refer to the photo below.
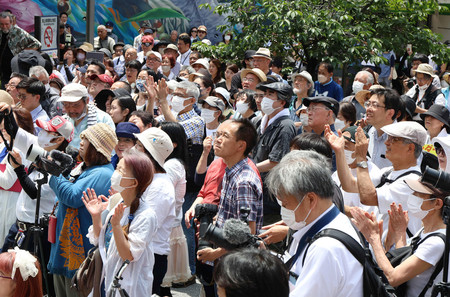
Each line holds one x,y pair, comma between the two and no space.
5,60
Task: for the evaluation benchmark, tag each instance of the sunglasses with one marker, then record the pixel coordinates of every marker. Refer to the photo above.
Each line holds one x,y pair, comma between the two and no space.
194,31
203,32
147,43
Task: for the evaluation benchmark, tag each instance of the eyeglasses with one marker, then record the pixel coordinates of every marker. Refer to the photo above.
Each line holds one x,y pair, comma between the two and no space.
375,105
316,108
153,59
147,43
248,79
10,86
395,139
22,96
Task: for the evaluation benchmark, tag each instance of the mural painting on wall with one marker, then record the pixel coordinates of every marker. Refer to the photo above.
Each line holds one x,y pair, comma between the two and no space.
165,15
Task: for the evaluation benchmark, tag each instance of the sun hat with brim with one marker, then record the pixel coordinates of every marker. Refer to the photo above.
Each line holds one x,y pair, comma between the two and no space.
363,95
5,97
58,124
409,130
87,47
193,76
417,186
255,71
157,143
425,69
329,102
215,102
73,92
202,62
446,77
102,137
172,47
127,130
224,93
438,112
304,74
263,53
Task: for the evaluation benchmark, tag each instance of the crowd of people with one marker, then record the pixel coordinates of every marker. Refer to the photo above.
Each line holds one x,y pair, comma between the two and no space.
136,148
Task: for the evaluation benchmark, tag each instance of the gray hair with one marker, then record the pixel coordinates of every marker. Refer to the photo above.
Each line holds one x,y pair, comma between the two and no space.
301,172
370,79
189,69
101,27
190,88
417,147
5,14
37,71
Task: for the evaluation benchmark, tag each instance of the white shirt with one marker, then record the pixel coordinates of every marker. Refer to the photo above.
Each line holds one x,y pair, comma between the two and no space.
377,149
329,268
397,192
183,59
138,276
160,196
177,174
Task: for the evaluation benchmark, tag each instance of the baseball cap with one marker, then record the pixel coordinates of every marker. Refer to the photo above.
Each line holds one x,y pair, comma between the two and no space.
109,24
279,87
258,72
409,130
103,77
147,38
172,47
215,102
73,92
262,52
156,54
157,143
148,31
304,74
58,124
202,62
329,102
127,130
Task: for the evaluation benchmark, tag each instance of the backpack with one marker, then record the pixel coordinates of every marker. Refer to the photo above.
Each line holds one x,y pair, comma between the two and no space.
375,283
397,256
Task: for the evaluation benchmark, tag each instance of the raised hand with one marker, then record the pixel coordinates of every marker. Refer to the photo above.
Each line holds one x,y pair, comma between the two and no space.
95,205
337,142
398,220
367,224
118,214
362,144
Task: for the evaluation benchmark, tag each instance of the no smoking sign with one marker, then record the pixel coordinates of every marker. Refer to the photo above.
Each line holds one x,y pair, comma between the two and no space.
48,36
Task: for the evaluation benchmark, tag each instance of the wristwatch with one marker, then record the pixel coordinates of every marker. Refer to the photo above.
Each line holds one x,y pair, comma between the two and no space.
362,164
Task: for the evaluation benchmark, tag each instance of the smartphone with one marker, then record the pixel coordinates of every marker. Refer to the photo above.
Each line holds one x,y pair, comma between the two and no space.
409,47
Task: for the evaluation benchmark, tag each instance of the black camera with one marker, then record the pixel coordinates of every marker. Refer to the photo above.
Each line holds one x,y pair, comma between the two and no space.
235,233
411,82
438,178
204,213
54,162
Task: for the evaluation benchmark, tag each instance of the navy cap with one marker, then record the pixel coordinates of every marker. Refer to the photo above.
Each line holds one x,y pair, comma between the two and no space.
148,31
127,130
329,102
109,24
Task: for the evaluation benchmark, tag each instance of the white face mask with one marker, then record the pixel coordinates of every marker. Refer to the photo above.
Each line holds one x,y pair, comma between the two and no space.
165,68
81,115
267,106
424,87
304,119
241,107
348,157
227,37
169,98
208,115
415,207
338,124
322,78
288,217
116,178
357,86
44,139
81,56
178,103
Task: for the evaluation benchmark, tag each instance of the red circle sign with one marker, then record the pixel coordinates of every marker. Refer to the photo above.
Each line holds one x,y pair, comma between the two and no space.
48,36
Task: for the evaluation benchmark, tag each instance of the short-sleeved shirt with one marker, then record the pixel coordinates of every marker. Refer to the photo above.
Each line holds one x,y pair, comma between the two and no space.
377,149
194,126
330,89
241,187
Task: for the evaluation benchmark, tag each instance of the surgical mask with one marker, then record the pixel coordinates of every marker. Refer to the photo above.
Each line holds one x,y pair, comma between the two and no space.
423,88
304,119
415,207
208,115
322,78
165,68
338,124
241,107
116,178
348,157
108,30
266,106
288,217
357,86
44,139
81,56
227,37
55,90
140,85
178,103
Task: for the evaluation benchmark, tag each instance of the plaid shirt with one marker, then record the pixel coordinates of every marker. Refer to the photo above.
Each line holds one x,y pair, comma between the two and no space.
193,125
241,188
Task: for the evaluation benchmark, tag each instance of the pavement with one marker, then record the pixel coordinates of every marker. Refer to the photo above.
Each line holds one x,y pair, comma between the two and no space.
192,291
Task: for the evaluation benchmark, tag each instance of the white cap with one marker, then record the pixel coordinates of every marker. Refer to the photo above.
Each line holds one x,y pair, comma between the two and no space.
157,143
156,54
409,130
73,92
202,62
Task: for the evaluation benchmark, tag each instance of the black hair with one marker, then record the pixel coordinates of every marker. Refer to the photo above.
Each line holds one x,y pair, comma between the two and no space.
252,273
328,66
250,98
348,111
177,135
420,57
60,15
391,100
124,103
48,63
18,75
134,64
313,142
190,31
207,83
246,132
277,62
32,85
151,73
99,64
185,38
145,117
